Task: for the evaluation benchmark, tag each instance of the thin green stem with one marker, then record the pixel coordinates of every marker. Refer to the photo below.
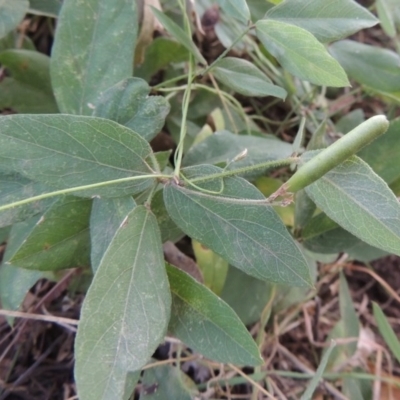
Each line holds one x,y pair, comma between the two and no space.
251,168
190,183
186,98
151,194
80,188
169,81
227,50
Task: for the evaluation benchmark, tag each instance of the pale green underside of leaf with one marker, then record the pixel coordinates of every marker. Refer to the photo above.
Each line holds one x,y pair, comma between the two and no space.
245,78
326,20
207,324
93,50
11,14
223,146
300,53
105,219
64,151
372,66
57,239
237,9
126,310
361,202
249,235
128,103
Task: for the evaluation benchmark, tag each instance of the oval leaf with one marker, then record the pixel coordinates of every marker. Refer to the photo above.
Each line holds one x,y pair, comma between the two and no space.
105,219
237,9
15,283
224,146
245,78
326,20
372,66
57,239
83,62
65,151
11,14
207,324
382,154
361,202
300,53
126,310
128,103
28,89
249,234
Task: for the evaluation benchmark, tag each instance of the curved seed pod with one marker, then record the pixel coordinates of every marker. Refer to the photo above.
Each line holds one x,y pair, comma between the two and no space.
335,154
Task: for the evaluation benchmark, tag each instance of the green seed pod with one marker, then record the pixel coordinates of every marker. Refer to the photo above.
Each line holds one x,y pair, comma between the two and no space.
335,154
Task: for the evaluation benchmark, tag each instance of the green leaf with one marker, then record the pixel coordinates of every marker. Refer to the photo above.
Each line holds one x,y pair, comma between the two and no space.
11,14
126,310
13,187
386,11
326,20
28,89
361,202
93,50
322,235
304,209
350,121
248,234
204,322
347,327
387,331
213,267
246,295
14,285
105,219
167,383
57,239
371,66
348,314
128,103
48,8
300,53
382,154
308,394
159,54
237,9
179,34
245,78
65,151
168,228
13,40
224,146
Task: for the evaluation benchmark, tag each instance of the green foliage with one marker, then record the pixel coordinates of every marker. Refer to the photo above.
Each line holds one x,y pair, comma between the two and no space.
81,186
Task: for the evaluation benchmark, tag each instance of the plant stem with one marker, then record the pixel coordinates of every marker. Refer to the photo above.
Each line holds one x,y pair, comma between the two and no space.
227,50
266,165
78,188
186,99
